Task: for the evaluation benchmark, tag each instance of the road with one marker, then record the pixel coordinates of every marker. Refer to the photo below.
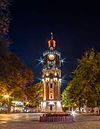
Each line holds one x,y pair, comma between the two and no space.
28,121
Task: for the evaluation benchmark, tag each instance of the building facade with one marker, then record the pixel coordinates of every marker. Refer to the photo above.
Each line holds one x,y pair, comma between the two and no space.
51,79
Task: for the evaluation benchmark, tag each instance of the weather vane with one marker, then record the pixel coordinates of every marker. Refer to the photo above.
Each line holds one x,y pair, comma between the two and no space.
51,36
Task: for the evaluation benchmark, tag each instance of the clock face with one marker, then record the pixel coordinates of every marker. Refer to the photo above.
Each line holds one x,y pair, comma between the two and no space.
51,56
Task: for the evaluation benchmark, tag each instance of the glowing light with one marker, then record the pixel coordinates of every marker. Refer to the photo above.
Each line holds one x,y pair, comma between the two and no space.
44,98
55,79
55,74
27,102
51,80
63,60
42,79
58,104
19,102
63,80
51,56
63,105
6,96
47,78
51,35
40,60
49,44
73,113
44,104
51,103
60,80
81,109
54,43
47,74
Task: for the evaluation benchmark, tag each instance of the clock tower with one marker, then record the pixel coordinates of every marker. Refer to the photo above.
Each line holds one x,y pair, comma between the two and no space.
51,79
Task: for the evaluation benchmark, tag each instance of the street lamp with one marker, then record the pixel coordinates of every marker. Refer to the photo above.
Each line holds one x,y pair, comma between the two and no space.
7,102
6,96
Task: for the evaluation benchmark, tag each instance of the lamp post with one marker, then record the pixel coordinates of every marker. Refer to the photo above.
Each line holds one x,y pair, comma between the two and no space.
8,102
6,96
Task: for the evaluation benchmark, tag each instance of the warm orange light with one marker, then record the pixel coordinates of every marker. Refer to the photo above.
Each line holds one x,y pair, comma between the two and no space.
49,43
54,43
44,97
51,93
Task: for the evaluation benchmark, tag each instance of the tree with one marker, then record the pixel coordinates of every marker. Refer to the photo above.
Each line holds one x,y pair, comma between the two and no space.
35,94
14,77
65,98
38,94
84,89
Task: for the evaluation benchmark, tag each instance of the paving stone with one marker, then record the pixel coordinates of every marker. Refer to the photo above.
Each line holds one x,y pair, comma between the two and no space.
84,122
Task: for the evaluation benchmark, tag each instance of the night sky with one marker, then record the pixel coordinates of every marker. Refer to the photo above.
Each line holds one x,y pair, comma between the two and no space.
76,29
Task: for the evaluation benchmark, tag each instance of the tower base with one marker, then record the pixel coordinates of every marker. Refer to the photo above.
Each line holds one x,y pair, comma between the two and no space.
51,106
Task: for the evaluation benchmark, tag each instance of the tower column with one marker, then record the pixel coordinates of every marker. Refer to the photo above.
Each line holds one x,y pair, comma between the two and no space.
59,90
44,89
51,83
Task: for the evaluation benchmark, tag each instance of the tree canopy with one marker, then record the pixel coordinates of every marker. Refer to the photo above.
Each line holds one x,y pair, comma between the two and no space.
84,89
14,77
35,94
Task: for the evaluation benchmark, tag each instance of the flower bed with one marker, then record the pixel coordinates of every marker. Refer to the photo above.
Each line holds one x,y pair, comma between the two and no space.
56,117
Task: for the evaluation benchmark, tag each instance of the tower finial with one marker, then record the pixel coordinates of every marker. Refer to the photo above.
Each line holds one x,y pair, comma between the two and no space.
51,43
51,36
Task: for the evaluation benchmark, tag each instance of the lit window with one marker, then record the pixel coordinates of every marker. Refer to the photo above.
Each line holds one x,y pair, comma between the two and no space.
51,96
51,92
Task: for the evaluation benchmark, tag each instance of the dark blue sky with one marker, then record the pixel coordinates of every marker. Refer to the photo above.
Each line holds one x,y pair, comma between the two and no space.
76,29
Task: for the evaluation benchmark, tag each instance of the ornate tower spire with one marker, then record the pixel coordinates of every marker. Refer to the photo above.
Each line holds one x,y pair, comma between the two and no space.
51,36
52,43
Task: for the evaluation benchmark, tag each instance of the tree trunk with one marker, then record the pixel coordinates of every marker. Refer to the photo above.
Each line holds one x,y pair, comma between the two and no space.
68,108
9,106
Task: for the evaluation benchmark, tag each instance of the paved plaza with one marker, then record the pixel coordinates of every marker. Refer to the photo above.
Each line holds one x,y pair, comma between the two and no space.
28,121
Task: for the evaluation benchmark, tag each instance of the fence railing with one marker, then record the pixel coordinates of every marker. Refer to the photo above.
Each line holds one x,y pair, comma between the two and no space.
57,119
